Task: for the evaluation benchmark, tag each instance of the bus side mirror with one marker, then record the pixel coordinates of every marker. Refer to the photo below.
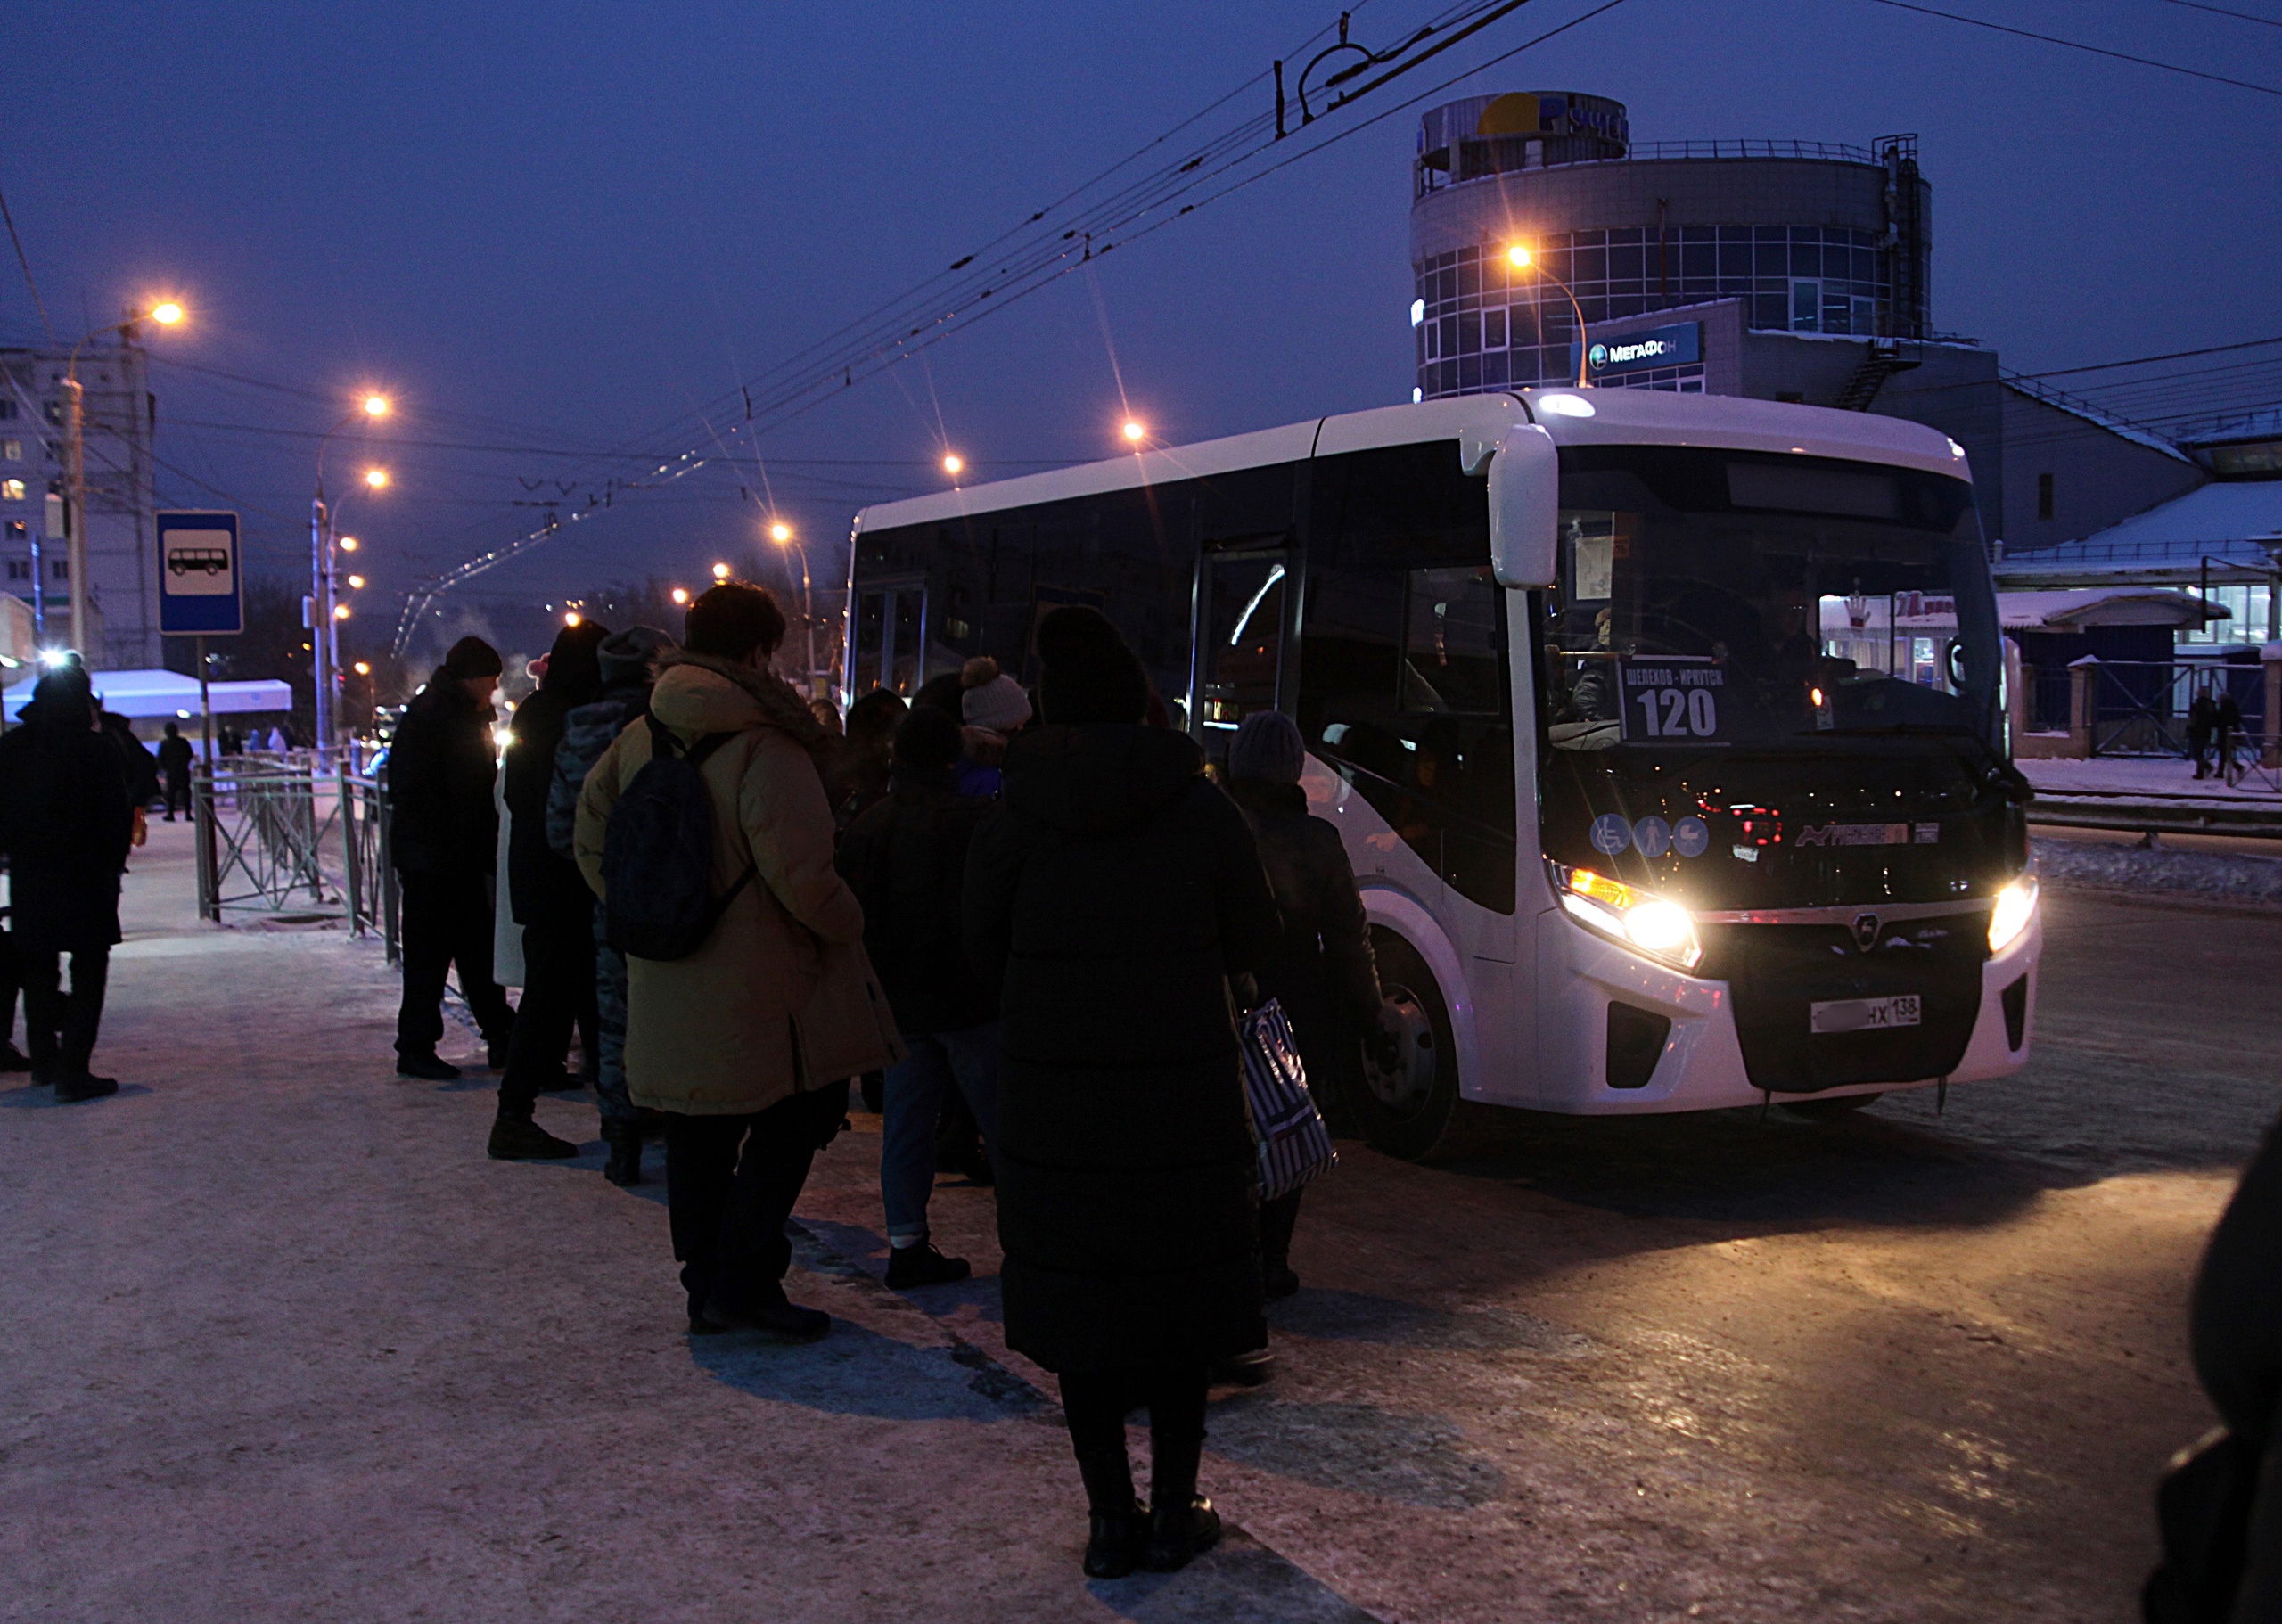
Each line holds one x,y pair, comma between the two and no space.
1525,507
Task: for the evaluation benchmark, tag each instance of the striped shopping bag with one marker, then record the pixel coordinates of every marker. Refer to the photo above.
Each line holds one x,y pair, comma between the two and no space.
1294,1144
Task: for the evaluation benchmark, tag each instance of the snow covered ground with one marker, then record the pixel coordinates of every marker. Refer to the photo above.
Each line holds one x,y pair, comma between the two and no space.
2160,775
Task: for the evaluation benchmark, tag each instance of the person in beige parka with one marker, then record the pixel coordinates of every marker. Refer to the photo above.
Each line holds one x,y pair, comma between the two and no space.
747,1044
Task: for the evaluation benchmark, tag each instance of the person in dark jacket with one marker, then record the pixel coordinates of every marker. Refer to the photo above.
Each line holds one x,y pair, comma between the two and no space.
550,900
2226,724
174,766
1322,971
65,823
905,860
444,838
2202,716
857,776
2222,1551
1111,895
628,665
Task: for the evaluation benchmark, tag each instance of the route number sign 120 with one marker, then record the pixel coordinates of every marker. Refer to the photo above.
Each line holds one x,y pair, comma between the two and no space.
1672,700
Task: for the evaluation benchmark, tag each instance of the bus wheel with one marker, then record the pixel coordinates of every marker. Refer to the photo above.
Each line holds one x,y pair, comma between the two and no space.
1830,1110
1406,1110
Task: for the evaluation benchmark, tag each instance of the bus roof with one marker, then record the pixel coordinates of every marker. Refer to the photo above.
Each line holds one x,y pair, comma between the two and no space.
1611,416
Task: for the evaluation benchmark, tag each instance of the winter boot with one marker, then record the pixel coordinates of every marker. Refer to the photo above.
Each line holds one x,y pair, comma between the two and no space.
624,1167
1253,1369
521,1139
1118,1524
11,1058
87,1085
923,1265
1183,1525
1277,1278
427,1066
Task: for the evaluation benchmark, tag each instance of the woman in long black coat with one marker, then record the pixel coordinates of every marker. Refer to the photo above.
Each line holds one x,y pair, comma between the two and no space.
1112,895
549,899
65,823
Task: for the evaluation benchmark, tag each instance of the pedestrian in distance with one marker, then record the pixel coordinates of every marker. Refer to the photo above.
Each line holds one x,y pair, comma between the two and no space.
2226,725
628,665
11,1058
747,1038
2202,721
549,899
443,838
174,766
905,860
278,743
1110,896
66,823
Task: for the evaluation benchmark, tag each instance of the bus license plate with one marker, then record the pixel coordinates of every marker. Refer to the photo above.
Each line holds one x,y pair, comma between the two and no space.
1866,1014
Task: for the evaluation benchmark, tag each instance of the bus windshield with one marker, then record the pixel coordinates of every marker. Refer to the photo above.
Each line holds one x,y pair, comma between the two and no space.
1712,600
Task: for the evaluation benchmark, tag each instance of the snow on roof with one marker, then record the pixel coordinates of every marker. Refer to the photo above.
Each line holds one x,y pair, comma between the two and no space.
2032,390
2233,521
154,694
2073,611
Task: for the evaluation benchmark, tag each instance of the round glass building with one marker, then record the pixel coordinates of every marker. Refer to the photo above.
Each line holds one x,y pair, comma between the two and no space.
1810,238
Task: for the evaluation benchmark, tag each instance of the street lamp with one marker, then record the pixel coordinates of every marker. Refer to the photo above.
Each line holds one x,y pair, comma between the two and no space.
1135,431
1521,259
167,313
325,546
681,595
954,464
720,572
781,533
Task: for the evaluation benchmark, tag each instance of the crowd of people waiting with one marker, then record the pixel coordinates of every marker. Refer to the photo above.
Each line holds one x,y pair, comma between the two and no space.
1036,914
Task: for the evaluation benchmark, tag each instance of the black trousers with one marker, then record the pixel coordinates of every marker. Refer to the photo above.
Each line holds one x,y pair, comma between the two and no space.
730,1186
447,922
11,981
177,795
1097,1402
60,1026
558,995
1277,1220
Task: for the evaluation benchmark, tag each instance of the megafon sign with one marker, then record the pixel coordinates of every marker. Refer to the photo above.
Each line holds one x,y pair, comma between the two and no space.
1681,344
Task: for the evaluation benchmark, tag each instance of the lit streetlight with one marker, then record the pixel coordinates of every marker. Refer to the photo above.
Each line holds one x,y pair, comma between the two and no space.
781,533
167,313
376,479
720,572
1135,430
357,581
1521,259
681,595
347,543
362,669
572,617
954,464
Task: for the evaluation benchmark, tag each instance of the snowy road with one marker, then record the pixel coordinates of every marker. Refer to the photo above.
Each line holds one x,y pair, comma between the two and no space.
282,1344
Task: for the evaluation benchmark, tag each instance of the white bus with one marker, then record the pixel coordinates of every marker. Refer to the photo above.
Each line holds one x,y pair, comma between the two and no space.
1659,797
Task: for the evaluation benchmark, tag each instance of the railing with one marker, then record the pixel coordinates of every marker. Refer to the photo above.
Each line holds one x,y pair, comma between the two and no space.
1829,150
281,837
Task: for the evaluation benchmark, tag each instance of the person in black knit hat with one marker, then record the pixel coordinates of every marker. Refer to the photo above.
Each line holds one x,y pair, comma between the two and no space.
1110,897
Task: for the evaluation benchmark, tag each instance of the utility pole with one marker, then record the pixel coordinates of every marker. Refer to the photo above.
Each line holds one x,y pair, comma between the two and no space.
74,497
319,610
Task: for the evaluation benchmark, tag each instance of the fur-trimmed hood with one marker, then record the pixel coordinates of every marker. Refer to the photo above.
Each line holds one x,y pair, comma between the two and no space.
697,694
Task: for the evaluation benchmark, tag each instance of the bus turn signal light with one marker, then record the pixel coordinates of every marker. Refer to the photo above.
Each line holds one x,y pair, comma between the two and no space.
1640,919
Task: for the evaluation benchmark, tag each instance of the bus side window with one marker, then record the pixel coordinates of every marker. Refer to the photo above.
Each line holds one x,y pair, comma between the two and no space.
1402,689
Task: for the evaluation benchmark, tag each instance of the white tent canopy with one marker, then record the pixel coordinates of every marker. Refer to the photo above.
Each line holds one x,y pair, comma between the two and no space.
169,693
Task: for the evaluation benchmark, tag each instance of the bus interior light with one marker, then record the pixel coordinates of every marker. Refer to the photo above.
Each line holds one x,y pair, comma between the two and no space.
1641,919
2016,907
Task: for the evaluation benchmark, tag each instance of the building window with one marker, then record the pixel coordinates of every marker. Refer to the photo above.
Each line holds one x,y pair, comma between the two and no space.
55,412
12,490
1865,318
16,531
19,568
12,450
59,570
1806,306
7,409
2044,495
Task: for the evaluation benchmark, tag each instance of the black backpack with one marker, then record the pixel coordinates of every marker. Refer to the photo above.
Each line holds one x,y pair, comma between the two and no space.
658,855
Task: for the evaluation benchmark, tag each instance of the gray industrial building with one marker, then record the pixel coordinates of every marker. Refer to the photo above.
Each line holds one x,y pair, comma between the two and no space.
122,575
1781,270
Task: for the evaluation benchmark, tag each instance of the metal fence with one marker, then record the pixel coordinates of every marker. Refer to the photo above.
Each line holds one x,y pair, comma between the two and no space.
287,838
2139,708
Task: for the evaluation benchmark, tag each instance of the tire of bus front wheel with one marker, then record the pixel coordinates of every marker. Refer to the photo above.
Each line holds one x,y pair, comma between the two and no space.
1830,1110
1408,1112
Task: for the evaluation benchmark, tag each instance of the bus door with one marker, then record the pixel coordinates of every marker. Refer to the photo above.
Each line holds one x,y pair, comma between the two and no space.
1241,616
888,638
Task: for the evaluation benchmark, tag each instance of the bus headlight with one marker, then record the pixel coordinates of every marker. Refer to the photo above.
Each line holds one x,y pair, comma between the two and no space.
2016,907
1654,924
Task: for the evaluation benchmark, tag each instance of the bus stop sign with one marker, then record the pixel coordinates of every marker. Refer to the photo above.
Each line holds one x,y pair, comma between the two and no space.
201,590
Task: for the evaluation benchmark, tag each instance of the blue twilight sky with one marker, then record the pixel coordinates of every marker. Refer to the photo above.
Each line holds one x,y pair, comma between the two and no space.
562,229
